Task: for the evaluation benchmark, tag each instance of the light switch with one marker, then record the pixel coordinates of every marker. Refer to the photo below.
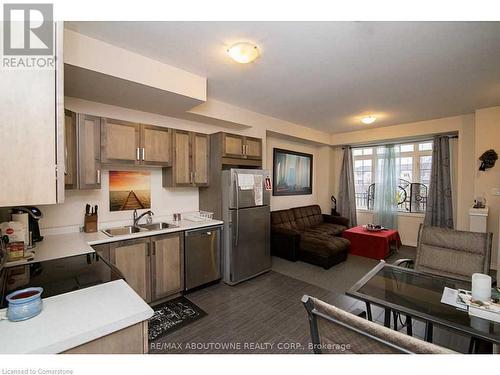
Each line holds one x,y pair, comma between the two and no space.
495,191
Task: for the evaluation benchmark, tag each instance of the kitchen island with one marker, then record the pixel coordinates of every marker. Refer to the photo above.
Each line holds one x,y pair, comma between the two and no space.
76,322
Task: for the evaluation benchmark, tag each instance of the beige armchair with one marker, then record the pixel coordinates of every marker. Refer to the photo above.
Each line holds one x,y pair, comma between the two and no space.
336,331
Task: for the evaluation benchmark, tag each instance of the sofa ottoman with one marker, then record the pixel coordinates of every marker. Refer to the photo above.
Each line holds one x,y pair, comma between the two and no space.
323,250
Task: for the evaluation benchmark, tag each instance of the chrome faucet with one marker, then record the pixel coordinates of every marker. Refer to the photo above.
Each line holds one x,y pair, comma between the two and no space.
149,219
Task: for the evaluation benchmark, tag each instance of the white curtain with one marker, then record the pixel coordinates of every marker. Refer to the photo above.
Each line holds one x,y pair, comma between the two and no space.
386,187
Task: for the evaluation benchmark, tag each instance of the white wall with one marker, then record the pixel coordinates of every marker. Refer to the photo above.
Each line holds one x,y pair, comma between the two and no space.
488,136
321,173
464,165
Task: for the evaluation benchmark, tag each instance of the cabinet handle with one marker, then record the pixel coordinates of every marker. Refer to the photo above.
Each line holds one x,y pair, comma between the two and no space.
154,248
148,251
66,173
98,176
143,153
138,154
242,149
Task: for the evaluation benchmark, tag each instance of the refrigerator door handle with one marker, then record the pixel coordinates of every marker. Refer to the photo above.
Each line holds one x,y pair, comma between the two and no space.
237,232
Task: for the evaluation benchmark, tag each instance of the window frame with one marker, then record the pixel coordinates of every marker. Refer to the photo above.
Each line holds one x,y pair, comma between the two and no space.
415,155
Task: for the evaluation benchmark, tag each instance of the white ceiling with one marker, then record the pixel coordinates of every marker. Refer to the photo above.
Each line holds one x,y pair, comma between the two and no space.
327,74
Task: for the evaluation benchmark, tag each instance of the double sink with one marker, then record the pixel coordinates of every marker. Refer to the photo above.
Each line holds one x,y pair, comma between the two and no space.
130,229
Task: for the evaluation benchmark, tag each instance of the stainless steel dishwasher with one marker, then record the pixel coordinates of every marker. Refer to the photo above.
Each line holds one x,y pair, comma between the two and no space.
202,255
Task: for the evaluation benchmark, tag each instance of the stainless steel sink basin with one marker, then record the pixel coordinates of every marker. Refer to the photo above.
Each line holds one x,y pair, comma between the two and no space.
158,226
120,231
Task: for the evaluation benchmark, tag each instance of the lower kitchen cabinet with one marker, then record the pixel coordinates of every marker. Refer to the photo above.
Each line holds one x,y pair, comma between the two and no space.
167,266
130,340
152,266
132,258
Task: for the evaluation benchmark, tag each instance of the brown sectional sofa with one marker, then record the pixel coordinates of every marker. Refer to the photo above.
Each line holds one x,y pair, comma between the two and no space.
304,233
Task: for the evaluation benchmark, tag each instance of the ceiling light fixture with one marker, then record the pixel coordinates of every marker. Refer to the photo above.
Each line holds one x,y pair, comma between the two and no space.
243,52
367,120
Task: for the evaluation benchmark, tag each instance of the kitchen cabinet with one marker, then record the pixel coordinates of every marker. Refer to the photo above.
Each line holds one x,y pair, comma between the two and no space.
132,258
167,265
70,150
130,143
82,151
253,148
191,160
120,142
130,340
152,266
155,145
201,157
32,150
238,146
236,150
233,145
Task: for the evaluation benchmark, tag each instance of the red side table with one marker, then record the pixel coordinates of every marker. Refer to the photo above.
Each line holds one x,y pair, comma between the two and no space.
374,245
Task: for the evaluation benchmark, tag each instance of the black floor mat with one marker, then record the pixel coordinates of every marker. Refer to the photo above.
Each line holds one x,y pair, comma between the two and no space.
172,315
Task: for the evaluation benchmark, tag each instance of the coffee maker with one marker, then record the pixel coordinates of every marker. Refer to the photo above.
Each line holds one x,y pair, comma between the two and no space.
34,214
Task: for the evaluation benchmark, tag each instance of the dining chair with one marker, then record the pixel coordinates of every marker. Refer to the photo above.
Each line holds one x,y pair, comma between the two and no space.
450,253
336,331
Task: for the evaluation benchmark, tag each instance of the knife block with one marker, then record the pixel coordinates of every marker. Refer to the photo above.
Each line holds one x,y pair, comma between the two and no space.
90,224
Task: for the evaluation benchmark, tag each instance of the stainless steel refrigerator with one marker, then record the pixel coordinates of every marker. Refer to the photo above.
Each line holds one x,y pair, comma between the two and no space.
246,216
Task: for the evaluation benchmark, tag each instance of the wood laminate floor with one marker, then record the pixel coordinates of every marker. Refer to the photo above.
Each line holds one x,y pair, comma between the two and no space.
264,315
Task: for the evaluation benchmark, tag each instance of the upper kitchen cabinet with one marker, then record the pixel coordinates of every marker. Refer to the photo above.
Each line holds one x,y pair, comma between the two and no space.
70,150
233,145
190,162
155,145
120,142
253,148
82,151
129,143
32,125
201,157
235,149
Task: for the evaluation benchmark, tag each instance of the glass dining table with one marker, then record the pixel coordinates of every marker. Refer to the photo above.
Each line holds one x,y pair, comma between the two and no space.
418,295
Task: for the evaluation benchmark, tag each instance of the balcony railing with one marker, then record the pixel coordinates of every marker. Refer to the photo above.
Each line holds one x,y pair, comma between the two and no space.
412,197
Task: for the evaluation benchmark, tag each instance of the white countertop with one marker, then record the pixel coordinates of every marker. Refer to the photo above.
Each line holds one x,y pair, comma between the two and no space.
56,246
71,319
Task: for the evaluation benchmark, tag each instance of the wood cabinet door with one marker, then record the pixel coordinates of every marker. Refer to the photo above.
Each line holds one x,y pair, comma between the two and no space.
182,158
167,265
120,142
70,150
89,152
155,145
253,148
201,158
233,145
132,258
28,127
